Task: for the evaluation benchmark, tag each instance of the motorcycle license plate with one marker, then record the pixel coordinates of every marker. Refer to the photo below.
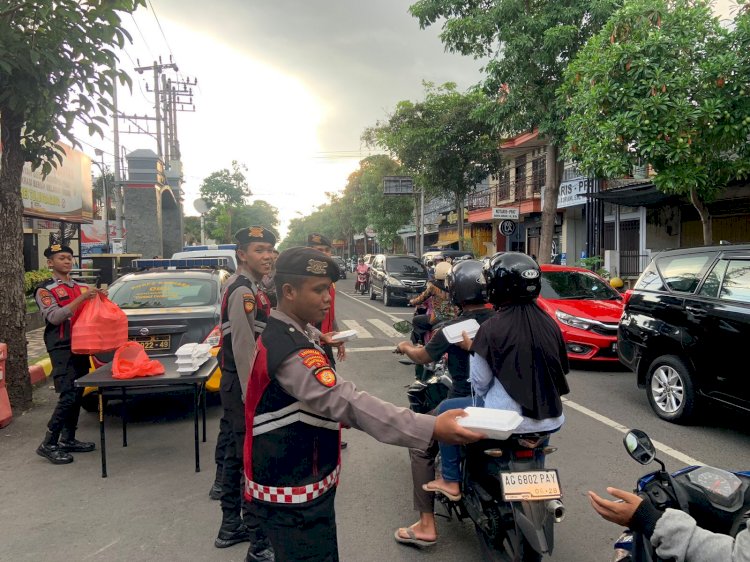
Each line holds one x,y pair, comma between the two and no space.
533,485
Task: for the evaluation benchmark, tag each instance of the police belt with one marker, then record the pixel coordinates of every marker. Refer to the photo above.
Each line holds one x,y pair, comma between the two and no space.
292,494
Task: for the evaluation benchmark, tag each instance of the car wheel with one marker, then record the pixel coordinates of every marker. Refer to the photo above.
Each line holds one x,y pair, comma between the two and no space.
372,293
670,389
387,300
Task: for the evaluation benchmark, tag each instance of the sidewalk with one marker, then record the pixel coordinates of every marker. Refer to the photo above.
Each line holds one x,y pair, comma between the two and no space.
35,344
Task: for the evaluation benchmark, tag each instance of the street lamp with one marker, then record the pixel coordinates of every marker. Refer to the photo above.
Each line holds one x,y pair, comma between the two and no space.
102,170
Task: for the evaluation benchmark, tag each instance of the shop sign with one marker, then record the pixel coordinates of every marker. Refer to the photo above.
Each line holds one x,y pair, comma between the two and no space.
502,213
573,192
507,227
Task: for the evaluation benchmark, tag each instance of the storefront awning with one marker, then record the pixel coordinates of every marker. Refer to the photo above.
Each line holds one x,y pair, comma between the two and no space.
638,195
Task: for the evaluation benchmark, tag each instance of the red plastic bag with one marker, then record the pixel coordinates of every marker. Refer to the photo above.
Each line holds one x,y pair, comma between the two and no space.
102,326
131,361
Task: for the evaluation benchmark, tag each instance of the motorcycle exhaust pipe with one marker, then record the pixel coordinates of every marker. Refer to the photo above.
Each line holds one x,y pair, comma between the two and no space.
557,509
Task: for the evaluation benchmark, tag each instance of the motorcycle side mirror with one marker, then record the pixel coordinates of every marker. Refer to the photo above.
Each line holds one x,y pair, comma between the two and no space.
402,327
639,446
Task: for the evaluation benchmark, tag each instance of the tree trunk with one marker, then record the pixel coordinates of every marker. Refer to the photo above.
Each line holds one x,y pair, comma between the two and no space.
549,211
708,234
460,224
13,303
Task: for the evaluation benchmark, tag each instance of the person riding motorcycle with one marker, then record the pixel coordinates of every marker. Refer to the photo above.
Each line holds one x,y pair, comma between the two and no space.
673,533
362,269
518,360
442,307
467,289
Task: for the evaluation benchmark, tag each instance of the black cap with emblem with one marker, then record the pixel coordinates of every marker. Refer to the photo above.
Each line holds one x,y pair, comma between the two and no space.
254,234
57,249
306,262
318,240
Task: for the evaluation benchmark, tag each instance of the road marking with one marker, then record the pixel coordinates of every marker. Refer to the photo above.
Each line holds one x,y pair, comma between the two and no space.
403,313
385,328
361,349
666,449
362,333
391,316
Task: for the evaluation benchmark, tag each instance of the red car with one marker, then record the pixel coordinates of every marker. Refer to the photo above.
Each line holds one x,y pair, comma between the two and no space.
586,308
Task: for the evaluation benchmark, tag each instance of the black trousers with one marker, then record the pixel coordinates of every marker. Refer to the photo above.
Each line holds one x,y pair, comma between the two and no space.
225,433
301,532
233,503
66,368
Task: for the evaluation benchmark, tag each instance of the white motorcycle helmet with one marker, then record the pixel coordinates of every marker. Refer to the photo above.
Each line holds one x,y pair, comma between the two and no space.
441,270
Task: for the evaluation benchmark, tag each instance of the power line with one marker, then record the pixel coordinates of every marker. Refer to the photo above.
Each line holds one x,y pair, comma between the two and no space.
142,35
160,28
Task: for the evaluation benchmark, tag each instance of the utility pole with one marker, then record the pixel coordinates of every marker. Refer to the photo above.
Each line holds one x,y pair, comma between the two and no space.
158,67
117,190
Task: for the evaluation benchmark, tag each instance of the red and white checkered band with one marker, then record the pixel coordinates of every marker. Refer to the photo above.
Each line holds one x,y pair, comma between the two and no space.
293,494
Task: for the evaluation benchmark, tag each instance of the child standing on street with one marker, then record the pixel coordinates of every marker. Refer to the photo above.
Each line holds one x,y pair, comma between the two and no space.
60,299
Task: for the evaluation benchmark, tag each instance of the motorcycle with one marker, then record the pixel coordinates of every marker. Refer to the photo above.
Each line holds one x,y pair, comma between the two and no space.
718,500
507,493
362,284
422,373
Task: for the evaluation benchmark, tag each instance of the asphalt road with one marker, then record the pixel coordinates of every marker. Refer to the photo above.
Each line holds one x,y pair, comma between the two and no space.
154,506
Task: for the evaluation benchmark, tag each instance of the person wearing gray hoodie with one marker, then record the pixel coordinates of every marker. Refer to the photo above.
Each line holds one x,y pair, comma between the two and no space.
674,534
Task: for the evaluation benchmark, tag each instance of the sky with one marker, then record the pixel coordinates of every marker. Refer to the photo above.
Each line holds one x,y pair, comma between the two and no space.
284,86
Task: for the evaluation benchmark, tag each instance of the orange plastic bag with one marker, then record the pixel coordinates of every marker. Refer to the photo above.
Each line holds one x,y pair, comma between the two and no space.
102,326
132,361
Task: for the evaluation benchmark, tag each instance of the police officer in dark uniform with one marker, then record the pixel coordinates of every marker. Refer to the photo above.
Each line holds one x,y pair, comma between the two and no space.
244,312
60,299
294,406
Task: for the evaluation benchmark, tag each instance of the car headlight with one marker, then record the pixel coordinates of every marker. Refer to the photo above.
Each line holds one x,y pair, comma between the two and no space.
395,282
574,321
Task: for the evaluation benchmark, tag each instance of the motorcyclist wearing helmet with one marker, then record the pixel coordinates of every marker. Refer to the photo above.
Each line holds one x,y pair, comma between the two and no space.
442,307
466,287
518,360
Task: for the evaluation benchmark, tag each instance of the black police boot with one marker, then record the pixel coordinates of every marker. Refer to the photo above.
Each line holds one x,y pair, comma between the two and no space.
232,531
215,492
50,450
260,551
69,443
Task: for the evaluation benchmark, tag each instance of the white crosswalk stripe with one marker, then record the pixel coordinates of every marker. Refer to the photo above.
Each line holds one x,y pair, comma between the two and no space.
362,332
385,328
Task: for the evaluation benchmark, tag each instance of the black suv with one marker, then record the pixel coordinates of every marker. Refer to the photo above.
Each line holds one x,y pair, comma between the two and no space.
684,328
396,277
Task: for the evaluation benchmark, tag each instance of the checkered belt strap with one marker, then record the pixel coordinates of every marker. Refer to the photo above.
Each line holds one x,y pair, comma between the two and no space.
293,494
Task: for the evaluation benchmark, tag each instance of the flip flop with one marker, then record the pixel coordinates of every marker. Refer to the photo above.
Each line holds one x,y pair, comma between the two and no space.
413,540
447,494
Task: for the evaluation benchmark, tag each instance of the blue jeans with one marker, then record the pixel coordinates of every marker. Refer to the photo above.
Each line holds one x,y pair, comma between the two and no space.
450,455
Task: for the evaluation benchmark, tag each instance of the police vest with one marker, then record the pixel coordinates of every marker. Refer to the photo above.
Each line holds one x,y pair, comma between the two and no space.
292,453
262,312
58,337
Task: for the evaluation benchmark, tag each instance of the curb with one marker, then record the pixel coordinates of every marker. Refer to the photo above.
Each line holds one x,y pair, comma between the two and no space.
39,371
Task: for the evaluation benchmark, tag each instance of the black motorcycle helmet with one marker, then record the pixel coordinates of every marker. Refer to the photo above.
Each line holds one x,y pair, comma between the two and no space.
512,277
466,284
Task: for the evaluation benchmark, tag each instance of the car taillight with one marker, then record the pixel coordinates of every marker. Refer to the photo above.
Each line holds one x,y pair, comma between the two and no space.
626,296
524,454
214,337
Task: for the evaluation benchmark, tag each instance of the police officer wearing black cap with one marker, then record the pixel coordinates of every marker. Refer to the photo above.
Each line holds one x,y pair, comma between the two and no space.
60,299
294,406
244,312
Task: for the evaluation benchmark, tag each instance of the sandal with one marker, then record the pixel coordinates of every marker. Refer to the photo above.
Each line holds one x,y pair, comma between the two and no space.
430,487
412,538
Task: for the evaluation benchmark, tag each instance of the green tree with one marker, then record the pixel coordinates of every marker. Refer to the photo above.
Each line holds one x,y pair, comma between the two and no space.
225,191
443,141
529,45
192,226
98,192
663,83
223,221
56,69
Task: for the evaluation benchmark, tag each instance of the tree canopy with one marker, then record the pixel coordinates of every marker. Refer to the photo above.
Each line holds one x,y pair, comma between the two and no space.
223,221
664,83
442,141
225,191
57,67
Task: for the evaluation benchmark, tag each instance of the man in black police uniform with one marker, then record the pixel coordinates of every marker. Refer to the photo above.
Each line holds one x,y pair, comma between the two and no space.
467,289
244,312
60,299
294,404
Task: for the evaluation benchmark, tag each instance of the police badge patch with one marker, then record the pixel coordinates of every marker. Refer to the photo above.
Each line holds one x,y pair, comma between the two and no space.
326,376
317,267
61,293
249,303
313,359
46,297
